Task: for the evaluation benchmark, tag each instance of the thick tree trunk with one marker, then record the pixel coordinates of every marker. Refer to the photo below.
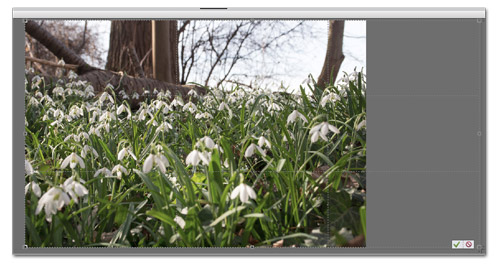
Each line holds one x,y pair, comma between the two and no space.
334,54
165,60
123,35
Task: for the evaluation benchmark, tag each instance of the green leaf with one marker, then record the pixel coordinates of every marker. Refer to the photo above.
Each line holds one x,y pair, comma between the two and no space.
199,177
257,215
161,215
226,214
362,213
215,177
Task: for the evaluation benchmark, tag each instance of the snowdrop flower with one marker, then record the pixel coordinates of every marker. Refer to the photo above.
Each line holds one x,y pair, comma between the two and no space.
251,150
58,91
205,115
307,80
321,130
167,94
36,81
332,97
177,102
354,75
76,138
293,116
28,169
361,124
104,171
105,126
158,104
209,143
84,135
164,127
121,109
54,199
135,95
57,113
195,157
89,88
166,109
158,160
107,116
34,187
95,131
105,96
72,75
274,107
224,105
75,112
87,149
38,94
152,121
125,152
244,191
119,170
179,220
193,93
33,102
75,188
216,146
262,141
189,107
142,115
73,159
47,99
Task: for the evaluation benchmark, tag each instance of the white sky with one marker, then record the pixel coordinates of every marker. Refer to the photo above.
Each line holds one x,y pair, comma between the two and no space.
309,58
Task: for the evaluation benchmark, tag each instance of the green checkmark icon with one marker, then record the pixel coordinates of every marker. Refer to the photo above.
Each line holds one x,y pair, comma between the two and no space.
456,245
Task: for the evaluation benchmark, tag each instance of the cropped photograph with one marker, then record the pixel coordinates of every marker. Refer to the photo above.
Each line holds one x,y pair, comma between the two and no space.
195,133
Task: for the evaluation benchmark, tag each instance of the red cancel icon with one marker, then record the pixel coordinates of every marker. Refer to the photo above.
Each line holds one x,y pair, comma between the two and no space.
468,244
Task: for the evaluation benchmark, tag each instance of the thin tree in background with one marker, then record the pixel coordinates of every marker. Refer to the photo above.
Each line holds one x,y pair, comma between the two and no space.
334,53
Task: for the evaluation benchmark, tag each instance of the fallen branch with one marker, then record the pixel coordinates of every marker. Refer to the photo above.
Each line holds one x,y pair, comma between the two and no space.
49,63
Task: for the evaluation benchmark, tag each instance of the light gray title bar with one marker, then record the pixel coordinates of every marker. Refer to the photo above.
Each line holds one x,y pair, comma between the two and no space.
245,13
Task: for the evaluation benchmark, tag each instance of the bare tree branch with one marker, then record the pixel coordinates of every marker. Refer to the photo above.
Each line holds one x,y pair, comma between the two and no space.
82,44
135,60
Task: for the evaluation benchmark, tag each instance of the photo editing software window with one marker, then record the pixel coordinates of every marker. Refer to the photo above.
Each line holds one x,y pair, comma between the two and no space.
249,131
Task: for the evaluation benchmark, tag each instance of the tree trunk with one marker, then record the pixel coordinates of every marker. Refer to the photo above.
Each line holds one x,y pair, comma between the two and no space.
130,33
334,54
165,60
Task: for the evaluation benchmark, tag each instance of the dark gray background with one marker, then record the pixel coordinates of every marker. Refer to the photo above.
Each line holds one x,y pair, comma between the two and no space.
426,151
